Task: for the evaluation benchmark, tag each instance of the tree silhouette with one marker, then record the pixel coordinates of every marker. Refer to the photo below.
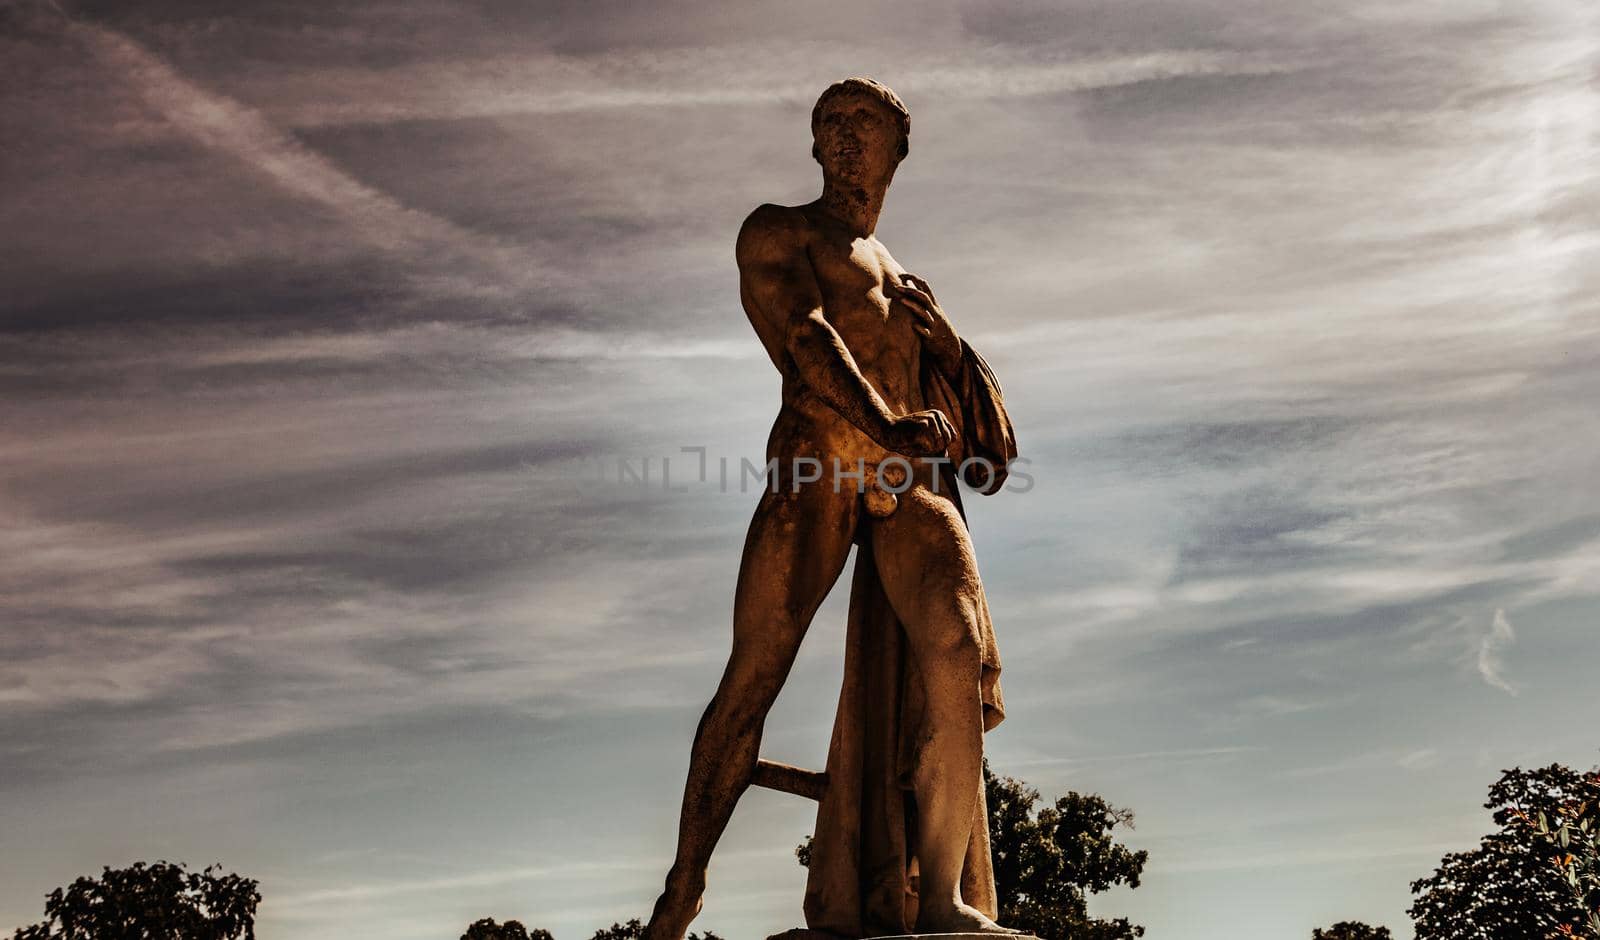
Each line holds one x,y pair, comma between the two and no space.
1351,930
1045,862
487,929
1526,881
633,930
162,901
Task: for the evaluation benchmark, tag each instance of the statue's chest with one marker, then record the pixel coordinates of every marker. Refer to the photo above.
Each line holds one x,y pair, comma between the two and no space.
851,276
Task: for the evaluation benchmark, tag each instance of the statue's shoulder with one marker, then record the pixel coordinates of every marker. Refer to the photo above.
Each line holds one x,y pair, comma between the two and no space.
773,229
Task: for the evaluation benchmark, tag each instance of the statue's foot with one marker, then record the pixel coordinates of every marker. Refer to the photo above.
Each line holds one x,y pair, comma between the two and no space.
678,905
959,918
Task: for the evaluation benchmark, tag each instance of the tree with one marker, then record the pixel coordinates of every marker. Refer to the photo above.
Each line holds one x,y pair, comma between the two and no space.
162,901
1045,862
1536,877
1571,834
487,929
633,930
1351,930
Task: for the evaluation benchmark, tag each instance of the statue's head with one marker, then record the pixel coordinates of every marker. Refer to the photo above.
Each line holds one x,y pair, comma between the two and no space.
860,130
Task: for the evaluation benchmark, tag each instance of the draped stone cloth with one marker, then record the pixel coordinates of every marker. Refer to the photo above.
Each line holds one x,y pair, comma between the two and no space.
862,851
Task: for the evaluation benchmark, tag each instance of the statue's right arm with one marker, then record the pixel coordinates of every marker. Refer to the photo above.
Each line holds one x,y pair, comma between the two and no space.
775,273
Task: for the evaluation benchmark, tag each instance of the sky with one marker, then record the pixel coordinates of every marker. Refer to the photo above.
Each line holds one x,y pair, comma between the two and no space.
325,328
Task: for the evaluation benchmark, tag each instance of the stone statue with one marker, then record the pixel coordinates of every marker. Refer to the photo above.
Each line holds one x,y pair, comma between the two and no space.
883,406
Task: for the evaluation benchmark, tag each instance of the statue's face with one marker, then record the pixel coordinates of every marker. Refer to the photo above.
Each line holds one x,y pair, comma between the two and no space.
857,138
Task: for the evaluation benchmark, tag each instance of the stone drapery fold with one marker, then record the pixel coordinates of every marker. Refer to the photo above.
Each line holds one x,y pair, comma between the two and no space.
862,854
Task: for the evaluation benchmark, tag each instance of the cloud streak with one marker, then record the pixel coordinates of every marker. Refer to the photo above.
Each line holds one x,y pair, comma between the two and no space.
245,134
1491,653
740,74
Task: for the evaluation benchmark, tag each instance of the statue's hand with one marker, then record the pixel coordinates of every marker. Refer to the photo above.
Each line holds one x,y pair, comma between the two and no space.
920,434
938,334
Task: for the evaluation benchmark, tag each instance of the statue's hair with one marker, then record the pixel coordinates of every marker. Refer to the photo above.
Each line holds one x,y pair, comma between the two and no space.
877,90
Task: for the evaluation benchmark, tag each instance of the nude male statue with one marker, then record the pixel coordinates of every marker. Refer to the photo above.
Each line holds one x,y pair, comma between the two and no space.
848,328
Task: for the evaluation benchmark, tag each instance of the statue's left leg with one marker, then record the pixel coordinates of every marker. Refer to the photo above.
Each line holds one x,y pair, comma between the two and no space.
930,575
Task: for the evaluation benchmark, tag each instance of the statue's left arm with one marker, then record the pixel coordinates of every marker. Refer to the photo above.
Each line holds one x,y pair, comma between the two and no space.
962,385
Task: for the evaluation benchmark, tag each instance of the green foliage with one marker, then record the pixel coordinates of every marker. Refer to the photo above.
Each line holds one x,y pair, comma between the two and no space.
1570,834
1045,862
1351,930
1533,878
150,902
487,929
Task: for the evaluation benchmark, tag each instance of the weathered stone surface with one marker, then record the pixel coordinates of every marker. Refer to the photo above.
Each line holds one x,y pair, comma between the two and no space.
882,403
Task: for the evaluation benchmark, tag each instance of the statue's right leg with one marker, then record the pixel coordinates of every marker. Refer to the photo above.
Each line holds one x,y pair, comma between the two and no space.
796,546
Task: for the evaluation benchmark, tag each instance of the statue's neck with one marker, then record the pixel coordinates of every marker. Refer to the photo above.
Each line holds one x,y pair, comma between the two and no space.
854,204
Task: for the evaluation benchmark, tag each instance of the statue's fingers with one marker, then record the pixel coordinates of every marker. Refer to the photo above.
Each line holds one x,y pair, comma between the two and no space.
923,314
916,290
935,438
920,283
922,305
907,292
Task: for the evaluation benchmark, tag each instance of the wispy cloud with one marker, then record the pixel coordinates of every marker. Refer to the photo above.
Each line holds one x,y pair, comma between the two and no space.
1176,754
1369,763
747,74
245,134
1388,856
344,894
1491,653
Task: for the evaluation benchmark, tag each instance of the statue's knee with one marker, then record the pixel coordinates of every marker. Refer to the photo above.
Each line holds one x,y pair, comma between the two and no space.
743,700
952,642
